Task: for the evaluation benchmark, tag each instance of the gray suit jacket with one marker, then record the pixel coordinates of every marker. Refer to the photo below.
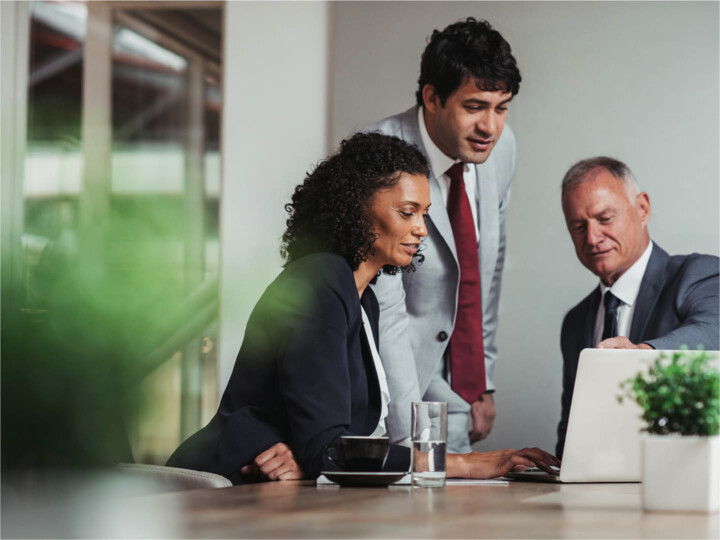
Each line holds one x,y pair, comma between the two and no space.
417,309
677,305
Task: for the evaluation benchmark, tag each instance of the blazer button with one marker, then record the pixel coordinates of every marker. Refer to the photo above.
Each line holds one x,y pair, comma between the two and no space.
442,336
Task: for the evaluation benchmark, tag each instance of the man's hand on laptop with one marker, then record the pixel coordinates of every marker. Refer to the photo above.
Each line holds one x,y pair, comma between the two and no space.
275,463
621,342
483,417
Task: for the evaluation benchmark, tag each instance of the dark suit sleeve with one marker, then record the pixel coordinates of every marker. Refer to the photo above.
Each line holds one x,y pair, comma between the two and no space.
312,367
313,370
696,305
569,371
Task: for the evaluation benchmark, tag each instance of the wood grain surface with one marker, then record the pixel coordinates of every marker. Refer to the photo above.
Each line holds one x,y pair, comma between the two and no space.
519,510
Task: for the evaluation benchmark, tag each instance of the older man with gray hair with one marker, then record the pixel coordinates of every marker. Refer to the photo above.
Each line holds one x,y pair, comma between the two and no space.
646,298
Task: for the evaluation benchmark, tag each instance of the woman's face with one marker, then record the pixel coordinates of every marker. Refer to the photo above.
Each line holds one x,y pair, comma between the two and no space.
398,217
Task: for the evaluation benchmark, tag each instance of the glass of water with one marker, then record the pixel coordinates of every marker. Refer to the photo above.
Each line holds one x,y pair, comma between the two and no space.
429,442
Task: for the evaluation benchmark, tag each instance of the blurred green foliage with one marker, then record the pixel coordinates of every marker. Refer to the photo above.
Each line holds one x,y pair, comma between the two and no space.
678,394
70,364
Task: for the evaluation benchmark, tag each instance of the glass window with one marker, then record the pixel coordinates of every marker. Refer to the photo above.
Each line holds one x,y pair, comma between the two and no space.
137,306
53,159
156,161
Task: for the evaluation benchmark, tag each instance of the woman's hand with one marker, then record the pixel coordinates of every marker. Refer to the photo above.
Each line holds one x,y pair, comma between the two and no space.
499,462
275,463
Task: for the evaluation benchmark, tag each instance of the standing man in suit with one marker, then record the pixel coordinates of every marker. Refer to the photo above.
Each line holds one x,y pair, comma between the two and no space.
438,324
646,298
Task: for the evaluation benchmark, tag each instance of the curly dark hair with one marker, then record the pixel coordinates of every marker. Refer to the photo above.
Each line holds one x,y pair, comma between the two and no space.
470,48
330,210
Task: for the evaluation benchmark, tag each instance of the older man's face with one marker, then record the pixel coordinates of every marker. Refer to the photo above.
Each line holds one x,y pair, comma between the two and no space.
607,226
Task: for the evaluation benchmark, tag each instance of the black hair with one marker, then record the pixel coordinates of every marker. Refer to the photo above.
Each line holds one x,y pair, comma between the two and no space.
330,210
468,49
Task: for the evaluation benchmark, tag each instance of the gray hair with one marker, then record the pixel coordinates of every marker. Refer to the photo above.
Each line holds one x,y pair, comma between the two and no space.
587,169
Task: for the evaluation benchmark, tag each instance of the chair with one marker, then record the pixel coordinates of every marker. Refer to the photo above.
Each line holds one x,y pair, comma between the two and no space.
168,479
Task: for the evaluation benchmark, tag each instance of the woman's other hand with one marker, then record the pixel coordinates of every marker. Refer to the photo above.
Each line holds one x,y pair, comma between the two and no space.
275,463
499,462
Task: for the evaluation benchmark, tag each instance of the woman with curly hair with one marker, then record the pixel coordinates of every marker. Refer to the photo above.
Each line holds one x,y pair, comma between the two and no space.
308,371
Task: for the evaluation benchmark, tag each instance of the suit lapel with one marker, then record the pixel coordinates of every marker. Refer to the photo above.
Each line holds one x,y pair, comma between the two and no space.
372,309
590,317
488,212
438,214
649,292
370,305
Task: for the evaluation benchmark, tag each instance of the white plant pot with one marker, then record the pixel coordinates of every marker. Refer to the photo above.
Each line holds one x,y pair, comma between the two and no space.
681,472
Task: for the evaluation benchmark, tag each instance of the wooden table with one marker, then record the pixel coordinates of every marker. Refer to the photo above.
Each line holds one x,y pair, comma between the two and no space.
517,510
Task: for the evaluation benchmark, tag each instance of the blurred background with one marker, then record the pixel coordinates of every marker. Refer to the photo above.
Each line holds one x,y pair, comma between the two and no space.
148,149
111,188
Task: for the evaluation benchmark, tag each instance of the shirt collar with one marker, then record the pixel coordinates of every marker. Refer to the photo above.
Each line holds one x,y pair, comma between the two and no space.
439,162
627,286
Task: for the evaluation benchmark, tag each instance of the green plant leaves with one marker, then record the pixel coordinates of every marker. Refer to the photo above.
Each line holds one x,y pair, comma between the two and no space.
678,394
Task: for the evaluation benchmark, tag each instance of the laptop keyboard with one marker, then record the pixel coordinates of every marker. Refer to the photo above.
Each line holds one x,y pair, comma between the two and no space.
556,470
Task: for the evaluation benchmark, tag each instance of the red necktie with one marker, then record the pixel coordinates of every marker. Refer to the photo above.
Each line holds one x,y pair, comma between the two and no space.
467,352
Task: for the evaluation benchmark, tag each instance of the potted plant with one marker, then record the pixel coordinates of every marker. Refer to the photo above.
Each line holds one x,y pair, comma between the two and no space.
681,451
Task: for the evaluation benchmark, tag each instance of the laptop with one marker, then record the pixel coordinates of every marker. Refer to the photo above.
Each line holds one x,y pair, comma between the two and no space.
603,440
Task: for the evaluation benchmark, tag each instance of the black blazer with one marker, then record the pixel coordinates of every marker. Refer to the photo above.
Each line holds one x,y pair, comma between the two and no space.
304,376
677,305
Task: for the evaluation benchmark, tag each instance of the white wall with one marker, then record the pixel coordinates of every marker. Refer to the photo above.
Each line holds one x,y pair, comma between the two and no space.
274,128
637,81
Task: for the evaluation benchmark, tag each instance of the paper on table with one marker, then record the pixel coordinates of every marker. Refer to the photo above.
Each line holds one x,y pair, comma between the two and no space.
405,481
474,482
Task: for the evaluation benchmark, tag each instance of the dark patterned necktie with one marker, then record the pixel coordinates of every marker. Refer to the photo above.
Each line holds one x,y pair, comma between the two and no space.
612,303
467,351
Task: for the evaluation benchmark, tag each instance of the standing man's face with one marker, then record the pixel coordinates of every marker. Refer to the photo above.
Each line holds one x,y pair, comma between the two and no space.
470,123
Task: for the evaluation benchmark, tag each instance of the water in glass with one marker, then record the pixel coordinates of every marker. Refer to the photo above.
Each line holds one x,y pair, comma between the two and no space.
428,463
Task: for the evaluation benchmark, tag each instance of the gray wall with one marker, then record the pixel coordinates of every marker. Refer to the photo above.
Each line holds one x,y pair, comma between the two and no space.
274,128
637,81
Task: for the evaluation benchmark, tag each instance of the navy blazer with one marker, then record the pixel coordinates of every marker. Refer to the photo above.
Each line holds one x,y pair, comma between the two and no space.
304,376
677,305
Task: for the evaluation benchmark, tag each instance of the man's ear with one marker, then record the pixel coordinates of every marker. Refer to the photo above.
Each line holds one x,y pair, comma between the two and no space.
431,100
642,204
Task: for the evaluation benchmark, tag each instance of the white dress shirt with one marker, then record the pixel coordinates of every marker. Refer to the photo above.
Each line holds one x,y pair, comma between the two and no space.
380,430
440,163
625,289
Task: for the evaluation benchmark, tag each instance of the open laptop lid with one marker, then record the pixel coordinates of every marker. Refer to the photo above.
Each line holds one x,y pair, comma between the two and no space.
603,437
